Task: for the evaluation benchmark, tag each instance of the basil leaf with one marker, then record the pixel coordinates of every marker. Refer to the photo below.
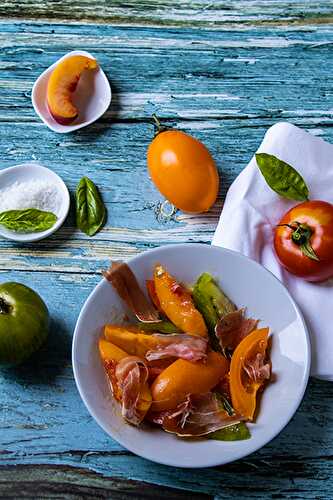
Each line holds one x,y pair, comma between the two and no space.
90,209
235,432
282,178
29,220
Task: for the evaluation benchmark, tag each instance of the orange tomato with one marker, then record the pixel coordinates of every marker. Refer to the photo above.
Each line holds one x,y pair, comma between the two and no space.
243,396
183,170
177,304
184,377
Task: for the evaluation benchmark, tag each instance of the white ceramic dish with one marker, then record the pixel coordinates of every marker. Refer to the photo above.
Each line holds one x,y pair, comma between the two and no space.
34,171
248,284
92,97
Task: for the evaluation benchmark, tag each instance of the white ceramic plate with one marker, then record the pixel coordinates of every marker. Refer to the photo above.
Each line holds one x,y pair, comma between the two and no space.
249,285
92,97
28,172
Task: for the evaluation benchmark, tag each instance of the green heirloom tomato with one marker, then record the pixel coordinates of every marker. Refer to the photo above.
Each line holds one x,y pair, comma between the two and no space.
24,322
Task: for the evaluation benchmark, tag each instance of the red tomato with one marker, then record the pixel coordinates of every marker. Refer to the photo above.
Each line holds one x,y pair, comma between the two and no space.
305,228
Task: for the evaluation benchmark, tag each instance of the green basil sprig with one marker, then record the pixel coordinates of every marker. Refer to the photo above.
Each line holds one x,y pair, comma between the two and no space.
282,178
90,209
29,220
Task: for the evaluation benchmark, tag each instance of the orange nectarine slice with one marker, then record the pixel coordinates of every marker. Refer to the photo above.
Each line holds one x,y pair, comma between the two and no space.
183,377
62,84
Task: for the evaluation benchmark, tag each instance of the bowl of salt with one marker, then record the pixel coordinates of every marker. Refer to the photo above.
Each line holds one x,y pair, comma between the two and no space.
27,192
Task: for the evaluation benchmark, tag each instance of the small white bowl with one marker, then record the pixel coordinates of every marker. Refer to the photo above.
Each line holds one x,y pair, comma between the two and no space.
249,285
28,172
92,96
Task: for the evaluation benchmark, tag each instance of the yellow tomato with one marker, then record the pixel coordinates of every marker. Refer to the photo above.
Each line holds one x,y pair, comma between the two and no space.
183,170
244,397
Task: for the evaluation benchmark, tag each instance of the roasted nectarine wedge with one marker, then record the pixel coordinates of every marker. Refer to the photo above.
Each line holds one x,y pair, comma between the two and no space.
134,342
111,355
110,352
183,377
177,304
62,83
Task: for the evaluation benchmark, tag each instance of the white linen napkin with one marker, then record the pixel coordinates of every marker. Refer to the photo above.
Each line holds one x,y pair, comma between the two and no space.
252,209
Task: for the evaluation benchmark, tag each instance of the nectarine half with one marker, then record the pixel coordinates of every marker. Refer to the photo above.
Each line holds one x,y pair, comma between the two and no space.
61,85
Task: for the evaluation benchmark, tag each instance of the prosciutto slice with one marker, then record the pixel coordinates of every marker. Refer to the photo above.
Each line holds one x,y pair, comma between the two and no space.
157,366
181,346
125,283
198,415
233,327
110,368
257,370
131,374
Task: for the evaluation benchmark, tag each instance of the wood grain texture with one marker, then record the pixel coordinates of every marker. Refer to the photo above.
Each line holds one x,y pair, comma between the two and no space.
69,483
226,88
203,13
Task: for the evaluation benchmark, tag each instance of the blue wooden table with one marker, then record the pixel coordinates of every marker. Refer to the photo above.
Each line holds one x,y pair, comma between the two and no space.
222,71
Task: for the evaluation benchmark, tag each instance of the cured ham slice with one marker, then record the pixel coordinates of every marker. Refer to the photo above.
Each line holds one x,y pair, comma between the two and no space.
157,366
257,370
125,283
181,346
233,327
131,374
198,415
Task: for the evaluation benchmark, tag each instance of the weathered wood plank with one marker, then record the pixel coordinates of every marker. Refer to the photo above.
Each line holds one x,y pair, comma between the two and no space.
225,87
70,483
203,13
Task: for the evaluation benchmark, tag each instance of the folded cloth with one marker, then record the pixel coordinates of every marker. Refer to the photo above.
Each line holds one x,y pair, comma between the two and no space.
252,209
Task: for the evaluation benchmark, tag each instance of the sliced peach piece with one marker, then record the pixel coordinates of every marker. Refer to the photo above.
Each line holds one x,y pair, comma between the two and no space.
110,352
111,355
134,342
184,377
177,304
62,83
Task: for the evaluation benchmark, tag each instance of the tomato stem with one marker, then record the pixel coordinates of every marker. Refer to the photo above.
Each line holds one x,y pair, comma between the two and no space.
157,122
158,125
301,236
287,225
4,306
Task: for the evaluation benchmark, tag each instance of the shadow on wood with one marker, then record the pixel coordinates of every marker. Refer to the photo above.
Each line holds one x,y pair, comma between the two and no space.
70,483
49,361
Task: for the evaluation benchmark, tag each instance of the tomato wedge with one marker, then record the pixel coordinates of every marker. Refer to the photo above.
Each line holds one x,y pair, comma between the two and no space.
244,388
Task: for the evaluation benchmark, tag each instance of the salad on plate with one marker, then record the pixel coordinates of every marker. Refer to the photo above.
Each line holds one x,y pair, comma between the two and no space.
191,363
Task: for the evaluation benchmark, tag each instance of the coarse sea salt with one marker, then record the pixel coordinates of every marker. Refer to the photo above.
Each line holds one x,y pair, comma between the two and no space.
31,194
